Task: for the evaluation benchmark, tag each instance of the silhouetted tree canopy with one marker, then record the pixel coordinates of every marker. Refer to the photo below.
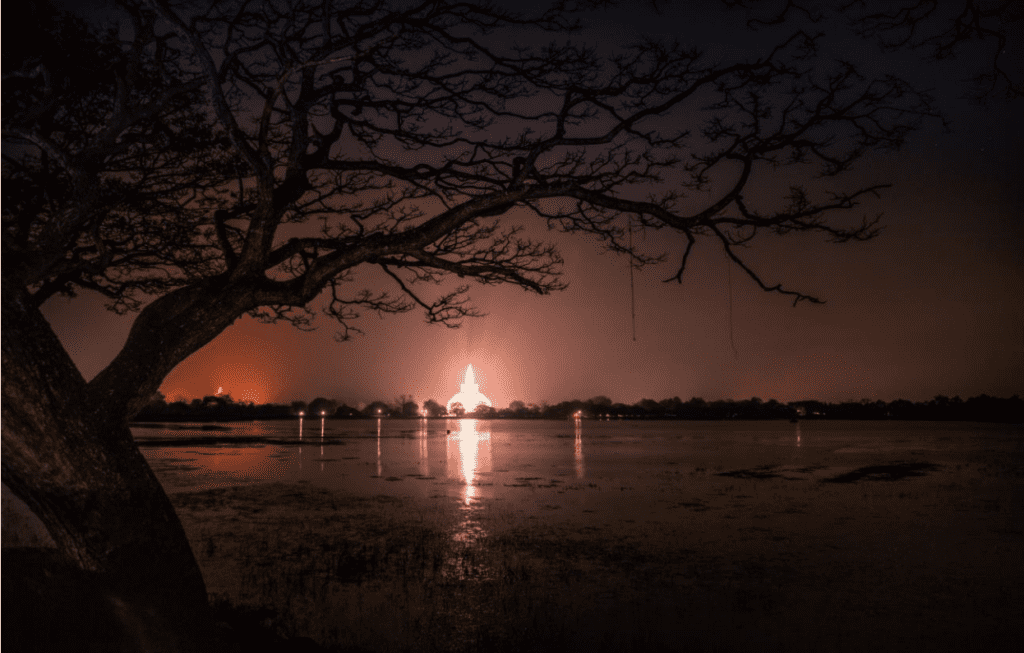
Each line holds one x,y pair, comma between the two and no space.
986,31
946,30
982,408
410,409
434,409
399,137
321,406
378,409
202,161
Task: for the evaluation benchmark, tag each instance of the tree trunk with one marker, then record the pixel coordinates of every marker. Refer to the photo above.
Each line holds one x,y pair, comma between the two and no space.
78,469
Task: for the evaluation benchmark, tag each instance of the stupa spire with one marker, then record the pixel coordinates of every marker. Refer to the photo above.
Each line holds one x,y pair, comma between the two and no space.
469,394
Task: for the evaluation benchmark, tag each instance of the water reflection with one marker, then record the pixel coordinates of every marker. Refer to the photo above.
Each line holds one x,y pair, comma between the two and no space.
469,456
798,434
421,435
580,468
380,463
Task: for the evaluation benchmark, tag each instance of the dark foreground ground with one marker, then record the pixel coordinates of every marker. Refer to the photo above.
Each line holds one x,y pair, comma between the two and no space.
892,555
867,565
50,606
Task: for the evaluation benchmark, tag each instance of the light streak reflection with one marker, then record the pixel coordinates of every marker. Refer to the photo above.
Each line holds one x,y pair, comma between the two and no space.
380,463
323,417
469,456
580,467
301,413
421,435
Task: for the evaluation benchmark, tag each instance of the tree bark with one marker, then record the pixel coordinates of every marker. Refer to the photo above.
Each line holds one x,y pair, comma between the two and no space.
166,332
78,469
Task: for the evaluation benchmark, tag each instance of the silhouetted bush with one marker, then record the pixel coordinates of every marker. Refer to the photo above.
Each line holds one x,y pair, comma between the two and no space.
982,408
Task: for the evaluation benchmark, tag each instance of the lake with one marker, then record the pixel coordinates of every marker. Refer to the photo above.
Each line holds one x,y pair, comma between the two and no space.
465,535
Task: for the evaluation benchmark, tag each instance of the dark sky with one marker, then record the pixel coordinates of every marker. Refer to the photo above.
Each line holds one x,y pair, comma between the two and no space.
935,305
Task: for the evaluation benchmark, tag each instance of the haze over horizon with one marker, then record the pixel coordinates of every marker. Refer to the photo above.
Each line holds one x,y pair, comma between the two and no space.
934,305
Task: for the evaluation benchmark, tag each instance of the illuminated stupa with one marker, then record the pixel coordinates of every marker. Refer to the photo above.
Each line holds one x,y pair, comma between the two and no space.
469,394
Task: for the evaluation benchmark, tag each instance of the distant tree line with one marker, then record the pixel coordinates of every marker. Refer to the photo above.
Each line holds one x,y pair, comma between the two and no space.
222,408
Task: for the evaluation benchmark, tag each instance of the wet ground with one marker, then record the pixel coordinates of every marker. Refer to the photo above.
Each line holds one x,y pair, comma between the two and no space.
518,536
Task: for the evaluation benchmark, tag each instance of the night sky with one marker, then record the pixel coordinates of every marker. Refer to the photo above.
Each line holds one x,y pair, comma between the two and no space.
934,305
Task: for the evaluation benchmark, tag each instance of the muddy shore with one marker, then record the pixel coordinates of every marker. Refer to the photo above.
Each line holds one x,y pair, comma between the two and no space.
906,556
847,548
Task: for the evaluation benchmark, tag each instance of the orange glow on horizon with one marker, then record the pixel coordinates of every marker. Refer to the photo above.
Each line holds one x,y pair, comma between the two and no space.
244,382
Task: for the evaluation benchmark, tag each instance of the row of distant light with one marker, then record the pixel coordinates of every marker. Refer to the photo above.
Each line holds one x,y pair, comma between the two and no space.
423,413
323,413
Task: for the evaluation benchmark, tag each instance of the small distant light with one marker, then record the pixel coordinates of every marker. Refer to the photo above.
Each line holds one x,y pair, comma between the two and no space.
323,412
301,413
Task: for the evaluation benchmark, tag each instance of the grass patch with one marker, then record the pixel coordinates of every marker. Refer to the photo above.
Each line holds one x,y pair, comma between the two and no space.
891,472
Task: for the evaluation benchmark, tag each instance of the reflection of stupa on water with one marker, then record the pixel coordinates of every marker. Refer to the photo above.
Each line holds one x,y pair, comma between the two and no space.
469,394
469,451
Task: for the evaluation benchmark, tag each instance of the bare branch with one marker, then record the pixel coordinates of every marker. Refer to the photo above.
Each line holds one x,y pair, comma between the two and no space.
294,143
448,309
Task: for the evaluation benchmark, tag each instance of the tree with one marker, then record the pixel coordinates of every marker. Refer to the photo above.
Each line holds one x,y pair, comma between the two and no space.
434,409
939,30
410,409
197,165
347,411
377,409
321,406
945,30
484,411
457,410
101,143
650,407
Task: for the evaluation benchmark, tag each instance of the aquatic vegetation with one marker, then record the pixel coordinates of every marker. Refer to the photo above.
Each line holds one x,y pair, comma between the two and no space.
726,544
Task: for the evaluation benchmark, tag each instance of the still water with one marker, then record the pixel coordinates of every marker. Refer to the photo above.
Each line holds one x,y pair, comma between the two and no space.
474,459
462,535
576,470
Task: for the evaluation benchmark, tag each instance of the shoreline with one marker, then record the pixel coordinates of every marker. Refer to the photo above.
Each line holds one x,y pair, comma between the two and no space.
911,545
